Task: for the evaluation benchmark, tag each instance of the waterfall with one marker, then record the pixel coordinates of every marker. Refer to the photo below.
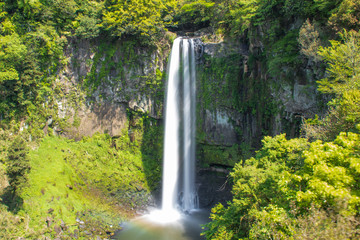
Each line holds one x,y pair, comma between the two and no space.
171,140
179,192
190,196
179,145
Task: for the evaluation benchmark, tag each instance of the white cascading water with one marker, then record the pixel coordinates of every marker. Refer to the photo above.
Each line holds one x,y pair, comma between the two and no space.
189,200
179,190
181,73
171,140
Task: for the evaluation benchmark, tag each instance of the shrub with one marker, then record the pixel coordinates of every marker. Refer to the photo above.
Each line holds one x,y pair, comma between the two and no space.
18,165
274,190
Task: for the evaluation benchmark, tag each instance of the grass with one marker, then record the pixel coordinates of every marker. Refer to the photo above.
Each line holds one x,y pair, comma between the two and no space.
57,190
98,179
50,180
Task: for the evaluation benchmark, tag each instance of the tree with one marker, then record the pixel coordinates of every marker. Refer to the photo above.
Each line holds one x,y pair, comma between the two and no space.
343,83
346,16
309,41
12,51
243,14
324,7
18,165
287,178
59,13
343,64
88,20
139,18
195,14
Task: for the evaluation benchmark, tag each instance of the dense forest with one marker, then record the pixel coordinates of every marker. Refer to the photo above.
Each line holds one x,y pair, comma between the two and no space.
57,183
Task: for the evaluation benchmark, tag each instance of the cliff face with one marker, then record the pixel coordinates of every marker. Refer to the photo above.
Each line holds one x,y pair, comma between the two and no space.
238,101
105,80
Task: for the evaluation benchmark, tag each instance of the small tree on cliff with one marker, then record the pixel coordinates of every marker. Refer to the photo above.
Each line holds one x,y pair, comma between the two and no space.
18,165
342,82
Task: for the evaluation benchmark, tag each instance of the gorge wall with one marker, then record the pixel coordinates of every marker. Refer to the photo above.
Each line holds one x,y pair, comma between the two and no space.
103,81
238,101
118,87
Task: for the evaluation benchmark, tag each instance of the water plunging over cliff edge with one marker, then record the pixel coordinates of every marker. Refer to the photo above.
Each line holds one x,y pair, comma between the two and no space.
179,193
179,147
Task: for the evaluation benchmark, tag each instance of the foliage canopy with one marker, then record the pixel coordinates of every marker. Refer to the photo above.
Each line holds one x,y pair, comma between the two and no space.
287,176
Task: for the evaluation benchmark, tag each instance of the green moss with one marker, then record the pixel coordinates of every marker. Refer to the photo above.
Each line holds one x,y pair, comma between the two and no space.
229,86
218,78
147,137
224,84
283,56
121,60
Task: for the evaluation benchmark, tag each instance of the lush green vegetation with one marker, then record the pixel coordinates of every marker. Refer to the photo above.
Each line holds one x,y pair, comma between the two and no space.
302,188
34,33
287,178
17,168
342,82
99,180
277,24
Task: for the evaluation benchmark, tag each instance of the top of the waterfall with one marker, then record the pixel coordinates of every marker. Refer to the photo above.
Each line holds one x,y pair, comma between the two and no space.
195,39
187,37
198,46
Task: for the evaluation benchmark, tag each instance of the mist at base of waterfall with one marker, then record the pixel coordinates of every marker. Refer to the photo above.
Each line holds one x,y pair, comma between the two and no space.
182,227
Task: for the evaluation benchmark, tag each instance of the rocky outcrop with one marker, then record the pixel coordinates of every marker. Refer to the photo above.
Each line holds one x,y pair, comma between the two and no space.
240,102
105,79
107,117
